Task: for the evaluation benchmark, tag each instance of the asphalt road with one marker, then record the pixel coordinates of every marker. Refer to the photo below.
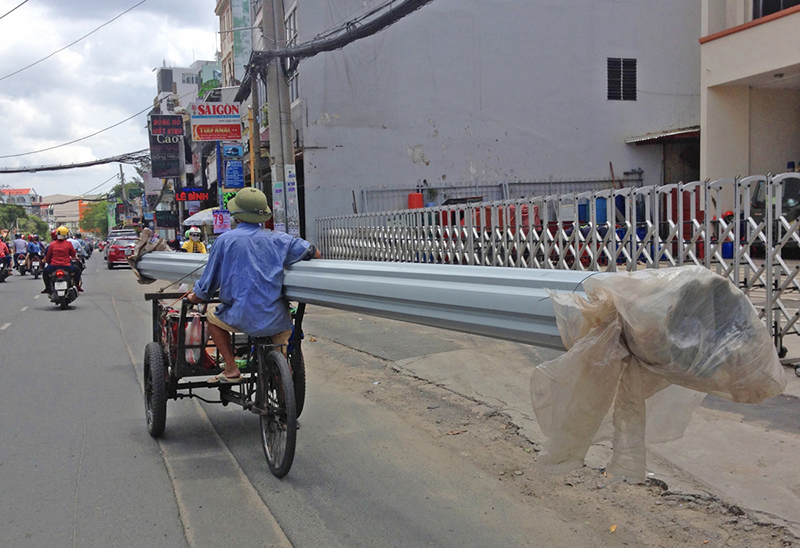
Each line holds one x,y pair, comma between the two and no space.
77,467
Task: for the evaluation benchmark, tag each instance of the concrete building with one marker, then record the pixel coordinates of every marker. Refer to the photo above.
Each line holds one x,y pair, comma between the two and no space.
235,45
179,86
750,87
26,197
523,90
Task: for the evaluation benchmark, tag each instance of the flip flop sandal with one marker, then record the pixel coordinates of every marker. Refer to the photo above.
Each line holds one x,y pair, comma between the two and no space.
222,379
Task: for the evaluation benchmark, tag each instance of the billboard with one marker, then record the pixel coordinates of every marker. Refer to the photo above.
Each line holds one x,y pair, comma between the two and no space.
216,122
166,133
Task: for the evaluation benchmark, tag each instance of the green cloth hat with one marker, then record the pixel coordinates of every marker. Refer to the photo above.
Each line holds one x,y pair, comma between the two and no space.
250,205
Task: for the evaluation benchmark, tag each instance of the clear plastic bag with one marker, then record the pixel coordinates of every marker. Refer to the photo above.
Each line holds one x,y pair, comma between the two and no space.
642,352
195,336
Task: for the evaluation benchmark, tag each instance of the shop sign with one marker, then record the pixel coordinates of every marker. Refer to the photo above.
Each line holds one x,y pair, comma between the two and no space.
166,132
166,219
216,122
191,194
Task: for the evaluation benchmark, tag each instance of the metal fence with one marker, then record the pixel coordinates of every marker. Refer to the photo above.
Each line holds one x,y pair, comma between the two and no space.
723,225
391,199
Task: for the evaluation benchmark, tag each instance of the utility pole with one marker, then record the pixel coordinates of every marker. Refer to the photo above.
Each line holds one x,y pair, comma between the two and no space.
124,195
255,137
281,144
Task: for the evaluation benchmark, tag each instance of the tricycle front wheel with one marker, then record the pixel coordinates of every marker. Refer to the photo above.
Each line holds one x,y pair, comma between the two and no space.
276,403
155,389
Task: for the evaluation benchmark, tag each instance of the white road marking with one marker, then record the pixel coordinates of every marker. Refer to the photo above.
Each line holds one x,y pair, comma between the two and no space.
97,270
23,309
37,296
5,326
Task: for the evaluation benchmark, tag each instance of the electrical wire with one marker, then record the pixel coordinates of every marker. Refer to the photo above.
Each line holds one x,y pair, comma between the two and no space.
127,158
12,9
76,198
73,43
330,40
77,140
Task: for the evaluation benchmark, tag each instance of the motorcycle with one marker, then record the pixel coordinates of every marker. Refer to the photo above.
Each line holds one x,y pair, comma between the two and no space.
5,270
21,268
36,266
63,289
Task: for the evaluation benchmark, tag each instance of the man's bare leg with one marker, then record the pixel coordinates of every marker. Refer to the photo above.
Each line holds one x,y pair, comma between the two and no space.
222,340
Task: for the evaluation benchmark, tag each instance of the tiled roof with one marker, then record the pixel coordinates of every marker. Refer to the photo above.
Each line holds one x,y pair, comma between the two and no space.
15,191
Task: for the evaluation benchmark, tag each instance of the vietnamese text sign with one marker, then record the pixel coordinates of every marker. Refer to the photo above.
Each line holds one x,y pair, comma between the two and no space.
222,220
234,174
216,122
165,145
191,194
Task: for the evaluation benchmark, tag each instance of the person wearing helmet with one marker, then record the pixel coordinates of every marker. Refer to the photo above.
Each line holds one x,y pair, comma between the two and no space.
246,266
193,244
60,254
5,256
33,250
20,248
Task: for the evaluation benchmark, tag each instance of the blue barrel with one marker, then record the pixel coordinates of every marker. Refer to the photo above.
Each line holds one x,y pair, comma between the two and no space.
602,212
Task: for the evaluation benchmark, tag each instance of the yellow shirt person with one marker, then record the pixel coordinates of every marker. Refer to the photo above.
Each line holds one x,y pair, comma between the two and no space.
194,246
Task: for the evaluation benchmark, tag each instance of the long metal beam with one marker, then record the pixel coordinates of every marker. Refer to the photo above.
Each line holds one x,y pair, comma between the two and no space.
505,303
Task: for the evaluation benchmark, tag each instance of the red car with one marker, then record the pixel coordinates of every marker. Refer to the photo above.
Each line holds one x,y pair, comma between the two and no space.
119,250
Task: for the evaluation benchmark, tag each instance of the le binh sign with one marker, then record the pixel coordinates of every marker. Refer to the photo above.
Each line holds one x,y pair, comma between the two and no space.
216,121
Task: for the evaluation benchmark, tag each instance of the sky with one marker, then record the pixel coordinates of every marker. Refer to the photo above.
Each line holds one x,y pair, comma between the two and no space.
96,83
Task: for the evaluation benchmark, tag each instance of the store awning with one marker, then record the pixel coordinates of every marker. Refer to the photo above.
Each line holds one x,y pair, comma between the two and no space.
668,136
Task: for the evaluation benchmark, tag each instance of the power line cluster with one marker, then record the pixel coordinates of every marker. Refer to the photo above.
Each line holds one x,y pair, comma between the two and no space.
331,40
127,158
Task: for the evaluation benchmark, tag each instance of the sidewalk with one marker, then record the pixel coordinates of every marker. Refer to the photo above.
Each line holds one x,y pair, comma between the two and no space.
744,454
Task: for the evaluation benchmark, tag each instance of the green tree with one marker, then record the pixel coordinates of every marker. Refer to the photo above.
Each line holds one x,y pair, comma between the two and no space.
9,213
95,218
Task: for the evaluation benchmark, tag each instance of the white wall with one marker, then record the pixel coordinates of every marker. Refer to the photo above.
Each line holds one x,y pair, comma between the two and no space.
515,90
775,118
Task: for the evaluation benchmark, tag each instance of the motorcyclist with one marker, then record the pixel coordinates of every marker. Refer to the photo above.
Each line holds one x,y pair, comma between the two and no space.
84,244
20,248
59,256
194,245
76,242
5,255
34,250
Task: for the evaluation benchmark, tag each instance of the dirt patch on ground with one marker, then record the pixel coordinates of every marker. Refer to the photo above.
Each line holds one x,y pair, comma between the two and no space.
634,515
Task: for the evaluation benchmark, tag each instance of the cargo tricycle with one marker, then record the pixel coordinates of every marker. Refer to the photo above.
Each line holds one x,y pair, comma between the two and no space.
273,378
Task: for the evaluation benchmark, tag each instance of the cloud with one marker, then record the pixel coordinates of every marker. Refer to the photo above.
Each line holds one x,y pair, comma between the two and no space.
92,85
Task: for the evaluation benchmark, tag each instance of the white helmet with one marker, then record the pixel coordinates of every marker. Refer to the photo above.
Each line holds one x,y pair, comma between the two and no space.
194,233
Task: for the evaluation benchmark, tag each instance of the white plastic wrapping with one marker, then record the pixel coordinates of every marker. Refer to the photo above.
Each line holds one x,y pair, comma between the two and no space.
642,352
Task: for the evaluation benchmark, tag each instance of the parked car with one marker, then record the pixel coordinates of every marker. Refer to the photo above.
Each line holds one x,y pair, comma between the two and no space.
115,233
119,250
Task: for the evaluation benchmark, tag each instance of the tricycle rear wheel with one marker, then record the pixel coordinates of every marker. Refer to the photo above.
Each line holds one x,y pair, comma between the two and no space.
276,403
299,379
155,389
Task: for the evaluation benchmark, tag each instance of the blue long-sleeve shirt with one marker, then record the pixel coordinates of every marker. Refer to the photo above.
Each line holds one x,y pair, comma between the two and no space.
246,266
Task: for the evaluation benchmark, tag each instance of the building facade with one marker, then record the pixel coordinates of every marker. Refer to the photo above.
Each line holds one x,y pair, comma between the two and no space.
523,90
750,85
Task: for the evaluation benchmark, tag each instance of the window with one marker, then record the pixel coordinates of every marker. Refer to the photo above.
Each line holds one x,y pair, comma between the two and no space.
291,41
762,8
189,78
621,79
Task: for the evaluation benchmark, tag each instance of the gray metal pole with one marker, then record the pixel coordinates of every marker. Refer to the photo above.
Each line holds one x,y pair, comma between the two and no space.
256,106
275,34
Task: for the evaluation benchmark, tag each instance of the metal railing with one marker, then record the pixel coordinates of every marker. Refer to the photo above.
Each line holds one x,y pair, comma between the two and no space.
605,230
462,299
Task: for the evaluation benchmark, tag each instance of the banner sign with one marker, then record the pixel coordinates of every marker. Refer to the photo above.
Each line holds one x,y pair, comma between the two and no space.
166,219
234,174
191,194
216,122
222,220
165,145
233,151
